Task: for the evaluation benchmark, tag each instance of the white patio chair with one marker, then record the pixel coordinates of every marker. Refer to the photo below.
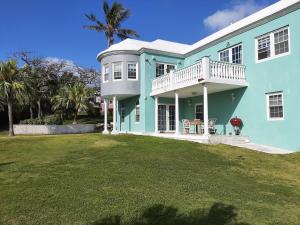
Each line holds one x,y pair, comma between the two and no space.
186,126
211,125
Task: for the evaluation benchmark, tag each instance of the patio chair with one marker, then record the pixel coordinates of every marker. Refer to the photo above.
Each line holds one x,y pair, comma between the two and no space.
186,126
211,125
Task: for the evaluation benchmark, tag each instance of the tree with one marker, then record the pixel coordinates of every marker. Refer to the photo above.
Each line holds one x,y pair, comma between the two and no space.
114,16
11,86
74,98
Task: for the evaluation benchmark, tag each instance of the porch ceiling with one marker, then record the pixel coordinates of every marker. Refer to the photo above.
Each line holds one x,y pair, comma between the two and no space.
197,90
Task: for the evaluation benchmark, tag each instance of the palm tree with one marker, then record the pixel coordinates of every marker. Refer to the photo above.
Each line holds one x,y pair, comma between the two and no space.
114,16
74,98
10,87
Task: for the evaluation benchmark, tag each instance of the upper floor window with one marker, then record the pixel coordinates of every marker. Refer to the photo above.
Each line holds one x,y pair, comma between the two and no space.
273,44
117,71
122,113
105,73
163,69
132,71
275,106
137,111
232,55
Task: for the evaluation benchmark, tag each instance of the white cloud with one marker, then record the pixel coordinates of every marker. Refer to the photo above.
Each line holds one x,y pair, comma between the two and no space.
237,11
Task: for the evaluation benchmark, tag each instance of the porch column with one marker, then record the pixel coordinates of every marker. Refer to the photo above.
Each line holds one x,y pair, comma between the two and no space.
205,109
156,114
114,131
177,122
105,131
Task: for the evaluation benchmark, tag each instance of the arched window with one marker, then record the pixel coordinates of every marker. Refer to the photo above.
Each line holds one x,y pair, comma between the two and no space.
137,111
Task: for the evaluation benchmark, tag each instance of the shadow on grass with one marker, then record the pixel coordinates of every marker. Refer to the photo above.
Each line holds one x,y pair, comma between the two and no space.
218,214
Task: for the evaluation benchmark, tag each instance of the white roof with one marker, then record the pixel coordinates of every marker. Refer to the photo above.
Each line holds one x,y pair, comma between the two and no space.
136,45
177,48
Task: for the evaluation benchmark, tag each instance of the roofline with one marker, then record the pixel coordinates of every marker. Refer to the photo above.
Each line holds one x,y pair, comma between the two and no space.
276,10
263,16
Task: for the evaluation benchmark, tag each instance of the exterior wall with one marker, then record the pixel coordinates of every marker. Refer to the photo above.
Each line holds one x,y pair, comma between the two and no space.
147,75
279,74
124,86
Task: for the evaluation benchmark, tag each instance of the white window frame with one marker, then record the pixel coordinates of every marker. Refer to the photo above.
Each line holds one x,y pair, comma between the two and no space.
272,45
113,71
103,72
230,53
165,67
137,71
268,106
135,114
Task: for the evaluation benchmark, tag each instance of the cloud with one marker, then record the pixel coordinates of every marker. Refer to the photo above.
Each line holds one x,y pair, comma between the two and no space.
238,10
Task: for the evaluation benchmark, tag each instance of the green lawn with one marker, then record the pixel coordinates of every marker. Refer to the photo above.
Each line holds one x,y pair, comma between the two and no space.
136,180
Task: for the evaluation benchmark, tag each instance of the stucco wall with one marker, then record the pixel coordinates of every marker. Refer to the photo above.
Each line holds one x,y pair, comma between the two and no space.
54,129
125,87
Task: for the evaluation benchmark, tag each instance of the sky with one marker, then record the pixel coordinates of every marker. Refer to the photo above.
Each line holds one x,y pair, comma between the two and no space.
54,28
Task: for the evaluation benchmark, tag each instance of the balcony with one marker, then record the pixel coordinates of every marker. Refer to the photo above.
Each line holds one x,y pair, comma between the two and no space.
227,75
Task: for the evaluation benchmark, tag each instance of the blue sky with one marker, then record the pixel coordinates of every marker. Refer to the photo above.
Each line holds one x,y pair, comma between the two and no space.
53,28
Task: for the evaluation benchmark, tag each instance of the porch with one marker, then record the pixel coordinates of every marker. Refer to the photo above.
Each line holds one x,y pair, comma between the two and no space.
201,79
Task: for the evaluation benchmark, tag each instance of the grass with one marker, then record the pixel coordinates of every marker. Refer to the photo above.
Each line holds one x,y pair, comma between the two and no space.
136,180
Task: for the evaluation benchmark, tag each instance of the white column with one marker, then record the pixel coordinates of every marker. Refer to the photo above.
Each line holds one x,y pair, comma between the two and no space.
105,131
206,67
156,114
177,122
114,131
205,109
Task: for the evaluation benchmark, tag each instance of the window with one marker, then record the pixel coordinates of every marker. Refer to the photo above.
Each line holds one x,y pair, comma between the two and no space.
232,55
224,56
281,41
273,45
199,112
132,71
275,106
117,71
122,113
106,73
163,69
137,111
264,48
237,54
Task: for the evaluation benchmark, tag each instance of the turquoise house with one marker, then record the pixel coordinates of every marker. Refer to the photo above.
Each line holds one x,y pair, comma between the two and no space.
249,70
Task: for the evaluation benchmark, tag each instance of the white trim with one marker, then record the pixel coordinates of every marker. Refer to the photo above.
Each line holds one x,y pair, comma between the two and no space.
272,45
113,71
103,72
136,73
137,122
268,106
167,118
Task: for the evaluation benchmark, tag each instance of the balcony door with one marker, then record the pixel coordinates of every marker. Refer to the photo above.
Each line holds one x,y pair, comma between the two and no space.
166,118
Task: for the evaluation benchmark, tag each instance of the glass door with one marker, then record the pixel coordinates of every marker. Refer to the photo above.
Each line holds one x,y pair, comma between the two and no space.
162,117
172,119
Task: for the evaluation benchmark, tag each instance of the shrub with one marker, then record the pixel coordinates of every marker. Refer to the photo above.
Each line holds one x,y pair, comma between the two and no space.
53,120
47,120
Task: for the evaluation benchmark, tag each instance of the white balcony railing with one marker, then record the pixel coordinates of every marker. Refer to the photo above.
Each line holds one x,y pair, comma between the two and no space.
205,70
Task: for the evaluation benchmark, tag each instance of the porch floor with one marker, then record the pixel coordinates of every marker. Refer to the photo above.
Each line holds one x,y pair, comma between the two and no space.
239,141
